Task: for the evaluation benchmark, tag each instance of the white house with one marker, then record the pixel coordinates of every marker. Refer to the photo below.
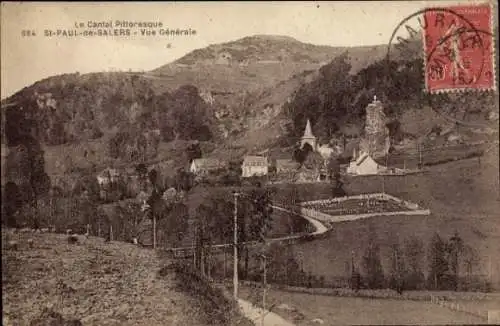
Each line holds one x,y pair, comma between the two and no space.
254,166
364,165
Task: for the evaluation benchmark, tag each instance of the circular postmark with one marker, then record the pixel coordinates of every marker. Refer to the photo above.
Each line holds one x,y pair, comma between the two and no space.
455,46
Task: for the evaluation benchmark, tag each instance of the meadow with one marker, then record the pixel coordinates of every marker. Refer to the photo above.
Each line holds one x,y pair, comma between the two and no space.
302,309
463,196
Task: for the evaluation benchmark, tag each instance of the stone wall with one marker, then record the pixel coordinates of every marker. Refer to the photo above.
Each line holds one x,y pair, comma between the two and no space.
413,208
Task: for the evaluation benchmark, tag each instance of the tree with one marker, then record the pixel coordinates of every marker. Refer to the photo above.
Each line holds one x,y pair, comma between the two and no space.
204,236
213,214
398,269
141,169
374,273
155,180
172,227
296,223
254,220
299,155
470,258
184,180
327,98
116,144
193,151
355,275
25,166
438,265
455,249
414,259
335,177
87,184
282,266
11,204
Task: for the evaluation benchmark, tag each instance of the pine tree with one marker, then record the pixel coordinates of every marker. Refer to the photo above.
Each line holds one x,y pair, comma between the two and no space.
355,276
438,265
398,269
414,257
455,249
374,273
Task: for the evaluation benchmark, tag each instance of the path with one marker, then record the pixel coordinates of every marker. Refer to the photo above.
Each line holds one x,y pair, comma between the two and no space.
320,227
255,315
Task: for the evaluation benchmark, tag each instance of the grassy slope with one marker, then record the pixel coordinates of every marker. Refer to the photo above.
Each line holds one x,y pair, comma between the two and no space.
221,78
461,196
115,284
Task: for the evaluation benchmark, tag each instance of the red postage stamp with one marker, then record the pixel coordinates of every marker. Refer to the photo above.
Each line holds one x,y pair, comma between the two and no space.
459,50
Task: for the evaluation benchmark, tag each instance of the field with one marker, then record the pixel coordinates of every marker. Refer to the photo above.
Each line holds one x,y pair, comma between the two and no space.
96,282
462,196
302,308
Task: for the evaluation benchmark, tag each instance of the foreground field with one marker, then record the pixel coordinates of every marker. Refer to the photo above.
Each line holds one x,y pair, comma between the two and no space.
95,282
302,309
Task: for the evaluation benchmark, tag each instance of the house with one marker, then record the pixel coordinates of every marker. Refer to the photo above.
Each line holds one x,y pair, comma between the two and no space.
108,176
202,166
364,165
254,166
286,165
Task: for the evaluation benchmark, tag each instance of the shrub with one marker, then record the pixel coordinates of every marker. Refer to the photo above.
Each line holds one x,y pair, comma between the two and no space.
216,301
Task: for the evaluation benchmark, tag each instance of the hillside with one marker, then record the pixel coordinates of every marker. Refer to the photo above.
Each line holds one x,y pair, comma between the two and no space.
254,63
75,108
246,95
95,282
118,118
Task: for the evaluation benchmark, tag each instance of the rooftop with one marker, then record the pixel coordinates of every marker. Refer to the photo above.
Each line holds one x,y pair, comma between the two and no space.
209,163
308,131
255,159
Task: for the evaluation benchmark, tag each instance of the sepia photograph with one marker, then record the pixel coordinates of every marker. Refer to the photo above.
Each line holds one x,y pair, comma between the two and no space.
280,163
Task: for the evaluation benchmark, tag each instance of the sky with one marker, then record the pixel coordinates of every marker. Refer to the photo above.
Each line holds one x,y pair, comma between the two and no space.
27,59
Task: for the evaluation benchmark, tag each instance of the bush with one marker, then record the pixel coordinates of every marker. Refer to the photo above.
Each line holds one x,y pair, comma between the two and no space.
414,281
219,308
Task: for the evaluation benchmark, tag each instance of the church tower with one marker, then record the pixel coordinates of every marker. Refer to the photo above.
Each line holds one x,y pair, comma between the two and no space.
308,137
376,138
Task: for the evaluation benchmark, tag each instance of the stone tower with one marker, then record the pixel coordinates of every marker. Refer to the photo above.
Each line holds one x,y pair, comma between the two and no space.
376,139
308,137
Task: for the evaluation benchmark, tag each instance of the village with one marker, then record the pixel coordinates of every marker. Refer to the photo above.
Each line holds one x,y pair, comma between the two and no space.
364,156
